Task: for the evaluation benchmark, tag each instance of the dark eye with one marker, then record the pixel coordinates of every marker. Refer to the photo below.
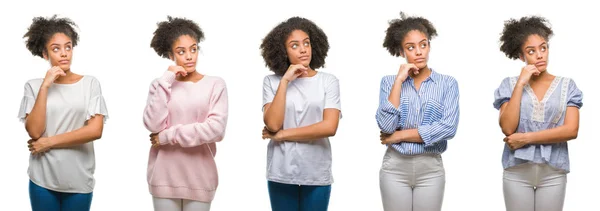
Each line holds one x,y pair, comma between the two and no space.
55,49
530,52
423,45
294,46
193,50
306,44
180,52
410,48
543,48
68,48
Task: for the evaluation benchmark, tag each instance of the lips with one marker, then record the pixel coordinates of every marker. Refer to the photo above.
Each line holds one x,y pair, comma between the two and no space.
190,64
304,57
540,63
63,61
420,60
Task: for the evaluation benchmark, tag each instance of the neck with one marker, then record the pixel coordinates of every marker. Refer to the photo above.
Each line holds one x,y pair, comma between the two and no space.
68,74
190,76
310,72
541,77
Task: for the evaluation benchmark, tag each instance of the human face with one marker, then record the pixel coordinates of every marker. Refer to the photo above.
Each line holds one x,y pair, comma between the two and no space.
535,52
415,48
185,52
298,47
59,51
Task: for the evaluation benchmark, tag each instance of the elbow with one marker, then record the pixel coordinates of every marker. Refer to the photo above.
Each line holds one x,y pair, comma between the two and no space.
573,133
273,127
507,131
154,128
331,133
34,135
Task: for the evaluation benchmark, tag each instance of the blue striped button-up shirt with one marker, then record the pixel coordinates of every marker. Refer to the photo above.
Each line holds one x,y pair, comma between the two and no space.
432,110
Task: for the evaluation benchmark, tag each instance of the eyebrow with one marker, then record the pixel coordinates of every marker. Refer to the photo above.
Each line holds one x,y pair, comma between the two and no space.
413,43
307,38
184,47
59,44
544,43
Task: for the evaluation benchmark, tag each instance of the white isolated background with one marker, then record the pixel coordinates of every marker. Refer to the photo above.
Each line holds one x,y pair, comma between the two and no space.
115,48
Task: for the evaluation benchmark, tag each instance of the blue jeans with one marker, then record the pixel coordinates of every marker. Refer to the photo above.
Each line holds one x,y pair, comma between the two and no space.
285,197
48,200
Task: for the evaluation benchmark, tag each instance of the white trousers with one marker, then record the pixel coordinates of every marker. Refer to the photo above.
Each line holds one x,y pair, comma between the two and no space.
412,183
163,204
534,187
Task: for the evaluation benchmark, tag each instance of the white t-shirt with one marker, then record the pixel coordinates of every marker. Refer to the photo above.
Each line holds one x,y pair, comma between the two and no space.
302,163
68,106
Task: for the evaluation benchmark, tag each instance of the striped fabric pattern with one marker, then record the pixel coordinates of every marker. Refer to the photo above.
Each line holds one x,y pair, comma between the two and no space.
433,110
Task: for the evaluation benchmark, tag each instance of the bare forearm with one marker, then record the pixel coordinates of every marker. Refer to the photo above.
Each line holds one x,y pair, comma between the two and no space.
551,136
509,118
275,113
80,136
394,97
35,123
312,132
410,135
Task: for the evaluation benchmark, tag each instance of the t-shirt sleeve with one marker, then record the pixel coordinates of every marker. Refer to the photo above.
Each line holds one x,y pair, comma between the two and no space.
503,93
97,105
268,91
574,96
27,102
332,94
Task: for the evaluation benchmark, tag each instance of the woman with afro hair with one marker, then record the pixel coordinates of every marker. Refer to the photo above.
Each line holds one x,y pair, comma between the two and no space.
418,113
186,113
539,113
301,109
63,114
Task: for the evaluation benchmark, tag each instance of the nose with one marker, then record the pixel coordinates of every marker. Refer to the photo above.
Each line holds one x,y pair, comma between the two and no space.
188,56
539,55
63,53
302,49
419,52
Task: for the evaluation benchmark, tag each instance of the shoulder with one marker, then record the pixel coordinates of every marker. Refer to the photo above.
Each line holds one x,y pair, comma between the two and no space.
90,79
388,79
328,78
34,82
271,79
445,79
215,81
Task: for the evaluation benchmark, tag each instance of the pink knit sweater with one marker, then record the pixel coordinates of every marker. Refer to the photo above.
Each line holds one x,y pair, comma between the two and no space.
190,118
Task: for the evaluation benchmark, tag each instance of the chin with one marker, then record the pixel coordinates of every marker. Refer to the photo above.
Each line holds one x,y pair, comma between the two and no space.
190,69
421,65
65,67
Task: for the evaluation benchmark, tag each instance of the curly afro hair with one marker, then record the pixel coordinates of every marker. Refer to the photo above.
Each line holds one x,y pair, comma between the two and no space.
42,29
516,32
398,29
169,31
273,48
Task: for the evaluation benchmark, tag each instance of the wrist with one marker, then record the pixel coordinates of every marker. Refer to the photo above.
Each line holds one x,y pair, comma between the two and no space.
527,138
280,135
400,79
45,85
284,81
51,142
398,136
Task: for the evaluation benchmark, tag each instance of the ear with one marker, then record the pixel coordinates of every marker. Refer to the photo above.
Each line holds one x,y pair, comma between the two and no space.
45,55
402,53
171,57
521,57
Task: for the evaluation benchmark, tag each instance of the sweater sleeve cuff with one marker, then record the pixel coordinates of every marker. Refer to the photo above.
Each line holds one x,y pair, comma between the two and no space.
163,136
168,77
